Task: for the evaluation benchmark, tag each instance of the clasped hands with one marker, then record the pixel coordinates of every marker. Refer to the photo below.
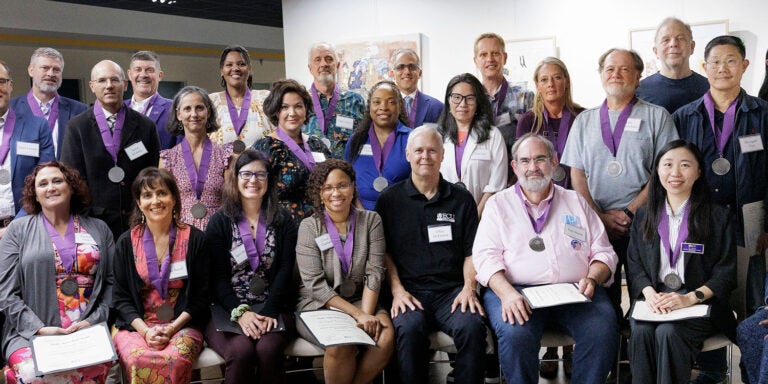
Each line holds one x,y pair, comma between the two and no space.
255,325
663,302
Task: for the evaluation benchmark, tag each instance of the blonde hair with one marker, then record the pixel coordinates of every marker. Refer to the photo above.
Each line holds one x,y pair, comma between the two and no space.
538,101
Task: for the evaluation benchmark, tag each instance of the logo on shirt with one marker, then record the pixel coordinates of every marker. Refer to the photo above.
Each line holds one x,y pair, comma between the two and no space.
449,217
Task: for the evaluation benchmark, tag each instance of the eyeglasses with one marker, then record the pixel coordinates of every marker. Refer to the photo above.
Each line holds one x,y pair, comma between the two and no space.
457,98
411,67
730,63
248,175
4,82
539,160
343,187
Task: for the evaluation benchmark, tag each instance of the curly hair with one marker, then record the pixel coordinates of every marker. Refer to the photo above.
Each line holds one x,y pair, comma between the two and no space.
153,178
274,102
232,206
81,197
317,180
175,127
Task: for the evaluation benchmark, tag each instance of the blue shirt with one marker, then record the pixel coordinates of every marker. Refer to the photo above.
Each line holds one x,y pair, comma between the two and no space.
351,105
672,93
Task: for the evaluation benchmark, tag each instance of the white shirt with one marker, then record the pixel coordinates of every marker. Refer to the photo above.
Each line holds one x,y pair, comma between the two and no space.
483,166
675,220
55,132
138,106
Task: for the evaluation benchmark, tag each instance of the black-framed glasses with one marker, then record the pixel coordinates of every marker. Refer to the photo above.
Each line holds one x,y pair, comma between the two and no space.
249,175
457,98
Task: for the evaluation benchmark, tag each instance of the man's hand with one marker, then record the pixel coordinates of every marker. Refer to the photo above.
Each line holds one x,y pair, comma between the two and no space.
616,223
587,286
514,308
467,298
402,299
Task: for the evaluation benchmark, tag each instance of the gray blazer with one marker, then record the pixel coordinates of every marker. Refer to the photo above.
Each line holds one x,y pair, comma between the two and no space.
28,279
321,270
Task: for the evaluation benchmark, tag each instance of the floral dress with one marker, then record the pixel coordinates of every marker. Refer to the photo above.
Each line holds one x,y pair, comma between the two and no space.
255,125
242,272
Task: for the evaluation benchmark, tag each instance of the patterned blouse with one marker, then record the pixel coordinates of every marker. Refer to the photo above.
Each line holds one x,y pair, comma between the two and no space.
242,273
83,270
255,125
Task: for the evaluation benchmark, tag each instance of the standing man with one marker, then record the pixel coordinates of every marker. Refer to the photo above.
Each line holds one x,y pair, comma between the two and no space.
405,69
429,267
110,144
46,68
145,74
336,113
675,84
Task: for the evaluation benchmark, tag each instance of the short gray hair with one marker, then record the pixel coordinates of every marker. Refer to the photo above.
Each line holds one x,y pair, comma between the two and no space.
146,56
46,52
673,20
426,128
404,51
531,135
319,44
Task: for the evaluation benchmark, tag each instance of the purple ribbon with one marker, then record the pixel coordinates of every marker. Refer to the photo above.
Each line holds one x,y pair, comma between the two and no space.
459,149
111,140
151,101
538,224
323,120
729,121
380,155
562,131
253,248
53,114
197,176
304,155
682,234
158,276
65,245
612,141
499,97
412,115
5,146
238,120
344,252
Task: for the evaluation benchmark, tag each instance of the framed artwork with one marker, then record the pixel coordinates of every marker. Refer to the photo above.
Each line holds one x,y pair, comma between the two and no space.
523,55
641,40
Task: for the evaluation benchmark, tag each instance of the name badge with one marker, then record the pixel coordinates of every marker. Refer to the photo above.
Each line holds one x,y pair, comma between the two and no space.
345,122
178,270
239,254
481,154
751,143
692,248
27,149
633,125
324,242
367,150
503,119
318,156
134,151
84,238
575,232
438,233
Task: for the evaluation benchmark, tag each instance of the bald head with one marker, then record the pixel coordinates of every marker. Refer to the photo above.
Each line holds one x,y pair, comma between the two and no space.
108,84
107,65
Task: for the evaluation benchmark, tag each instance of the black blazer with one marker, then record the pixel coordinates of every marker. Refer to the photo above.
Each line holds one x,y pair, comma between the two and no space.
715,268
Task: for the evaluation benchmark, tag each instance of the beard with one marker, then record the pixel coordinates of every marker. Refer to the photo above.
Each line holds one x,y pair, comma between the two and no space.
535,185
46,88
326,78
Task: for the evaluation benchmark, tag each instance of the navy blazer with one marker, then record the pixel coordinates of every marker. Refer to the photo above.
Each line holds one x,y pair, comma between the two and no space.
159,115
28,129
427,109
68,109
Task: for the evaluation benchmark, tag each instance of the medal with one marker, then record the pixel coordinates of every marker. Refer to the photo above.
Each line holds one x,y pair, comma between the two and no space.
116,174
537,244
673,281
721,166
347,288
69,287
559,174
165,313
380,183
238,147
614,168
257,285
199,211
5,176
460,185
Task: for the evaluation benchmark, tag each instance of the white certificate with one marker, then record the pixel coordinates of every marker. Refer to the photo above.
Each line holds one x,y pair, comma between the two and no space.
643,313
551,295
84,348
331,327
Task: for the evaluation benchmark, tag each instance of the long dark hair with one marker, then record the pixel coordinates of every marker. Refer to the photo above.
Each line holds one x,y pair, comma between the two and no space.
763,94
481,122
699,203
361,132
232,206
175,127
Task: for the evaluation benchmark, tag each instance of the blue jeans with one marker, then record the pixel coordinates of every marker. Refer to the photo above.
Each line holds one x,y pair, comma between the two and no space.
592,325
412,330
751,337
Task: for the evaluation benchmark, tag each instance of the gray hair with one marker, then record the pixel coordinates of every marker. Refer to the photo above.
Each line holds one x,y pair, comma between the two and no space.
426,128
146,56
673,20
404,51
319,44
46,52
531,135
637,60
7,68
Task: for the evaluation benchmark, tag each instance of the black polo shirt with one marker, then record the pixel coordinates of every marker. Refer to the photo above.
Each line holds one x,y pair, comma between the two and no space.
407,216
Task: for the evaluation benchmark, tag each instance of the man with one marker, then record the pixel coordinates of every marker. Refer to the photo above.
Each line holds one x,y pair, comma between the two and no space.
610,150
336,113
406,71
429,267
110,144
46,68
145,74
567,244
675,84
25,141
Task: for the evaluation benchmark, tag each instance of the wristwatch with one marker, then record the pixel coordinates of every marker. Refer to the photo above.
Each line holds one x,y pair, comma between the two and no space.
629,213
699,295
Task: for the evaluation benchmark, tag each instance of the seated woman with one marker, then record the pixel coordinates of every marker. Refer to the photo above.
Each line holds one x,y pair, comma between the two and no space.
161,285
253,248
54,265
346,276
681,252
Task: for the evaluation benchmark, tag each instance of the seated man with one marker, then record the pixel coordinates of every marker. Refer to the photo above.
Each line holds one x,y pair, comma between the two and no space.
538,233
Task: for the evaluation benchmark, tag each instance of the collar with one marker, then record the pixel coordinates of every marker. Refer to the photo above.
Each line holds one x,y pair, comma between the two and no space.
141,103
4,117
680,210
412,95
548,198
443,189
49,103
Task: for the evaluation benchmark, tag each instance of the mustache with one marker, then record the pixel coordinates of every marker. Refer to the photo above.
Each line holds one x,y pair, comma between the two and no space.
534,173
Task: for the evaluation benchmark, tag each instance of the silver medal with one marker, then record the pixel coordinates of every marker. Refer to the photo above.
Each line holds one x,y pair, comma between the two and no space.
165,313
537,244
69,287
673,281
559,174
5,176
238,147
347,288
257,286
721,166
199,211
614,168
380,183
116,174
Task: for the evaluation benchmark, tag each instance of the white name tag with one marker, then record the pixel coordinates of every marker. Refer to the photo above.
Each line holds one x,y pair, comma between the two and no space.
84,238
345,122
438,233
134,151
633,125
178,270
239,254
367,150
318,156
575,232
503,119
324,242
27,149
481,154
751,143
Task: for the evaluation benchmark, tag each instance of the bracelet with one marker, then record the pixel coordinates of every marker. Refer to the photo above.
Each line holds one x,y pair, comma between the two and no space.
629,213
239,311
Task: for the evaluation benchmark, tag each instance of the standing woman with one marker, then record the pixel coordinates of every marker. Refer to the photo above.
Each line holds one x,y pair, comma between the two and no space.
161,285
681,252
238,108
475,154
54,267
292,154
553,111
196,162
253,241
376,149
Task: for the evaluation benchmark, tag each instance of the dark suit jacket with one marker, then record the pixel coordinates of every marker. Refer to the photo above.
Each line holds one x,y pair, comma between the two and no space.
84,149
715,268
28,129
159,115
68,109
427,109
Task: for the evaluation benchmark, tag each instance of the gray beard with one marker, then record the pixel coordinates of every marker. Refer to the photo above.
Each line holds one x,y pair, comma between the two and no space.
45,88
535,185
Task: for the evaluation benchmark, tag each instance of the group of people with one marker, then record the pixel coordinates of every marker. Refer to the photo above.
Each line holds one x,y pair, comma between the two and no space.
217,217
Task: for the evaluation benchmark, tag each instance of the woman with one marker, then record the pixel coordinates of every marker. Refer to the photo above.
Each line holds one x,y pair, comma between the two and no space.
292,154
54,265
161,285
197,163
238,108
377,147
347,275
475,154
763,92
681,253
252,227
552,114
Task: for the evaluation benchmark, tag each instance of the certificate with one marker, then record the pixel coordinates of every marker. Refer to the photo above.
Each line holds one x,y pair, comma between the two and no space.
551,295
643,313
331,327
83,348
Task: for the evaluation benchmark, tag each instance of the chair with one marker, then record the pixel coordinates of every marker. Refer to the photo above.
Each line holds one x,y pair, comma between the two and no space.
441,342
208,359
301,348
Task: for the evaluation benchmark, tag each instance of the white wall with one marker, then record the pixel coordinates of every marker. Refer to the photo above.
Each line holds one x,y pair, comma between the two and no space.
583,29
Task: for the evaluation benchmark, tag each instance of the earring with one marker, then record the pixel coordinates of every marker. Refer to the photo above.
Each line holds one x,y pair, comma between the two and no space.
142,218
180,126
